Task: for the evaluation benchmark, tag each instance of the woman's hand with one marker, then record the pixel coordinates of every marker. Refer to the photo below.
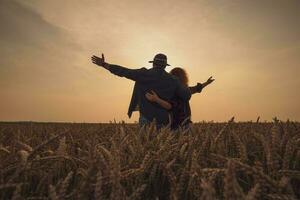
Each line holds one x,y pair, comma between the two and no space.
210,80
152,96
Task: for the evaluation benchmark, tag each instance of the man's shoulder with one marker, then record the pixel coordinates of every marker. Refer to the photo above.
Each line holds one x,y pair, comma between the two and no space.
164,75
173,77
144,69
170,77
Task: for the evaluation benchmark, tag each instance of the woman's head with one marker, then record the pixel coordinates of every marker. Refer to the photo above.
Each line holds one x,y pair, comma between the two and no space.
181,74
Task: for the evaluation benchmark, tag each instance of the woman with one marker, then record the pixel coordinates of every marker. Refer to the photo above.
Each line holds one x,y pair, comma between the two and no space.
180,110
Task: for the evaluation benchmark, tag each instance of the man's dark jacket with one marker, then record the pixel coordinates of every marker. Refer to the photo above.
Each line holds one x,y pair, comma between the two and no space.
157,79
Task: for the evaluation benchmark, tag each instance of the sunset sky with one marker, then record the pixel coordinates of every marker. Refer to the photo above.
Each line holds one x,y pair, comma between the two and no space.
251,48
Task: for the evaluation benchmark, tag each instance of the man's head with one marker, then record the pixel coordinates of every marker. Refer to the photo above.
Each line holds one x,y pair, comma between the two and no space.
160,60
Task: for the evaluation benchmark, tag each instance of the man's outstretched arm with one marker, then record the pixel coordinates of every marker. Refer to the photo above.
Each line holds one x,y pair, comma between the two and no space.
133,74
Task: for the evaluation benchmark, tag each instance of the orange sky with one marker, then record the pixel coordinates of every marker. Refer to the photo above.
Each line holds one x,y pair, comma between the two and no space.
252,49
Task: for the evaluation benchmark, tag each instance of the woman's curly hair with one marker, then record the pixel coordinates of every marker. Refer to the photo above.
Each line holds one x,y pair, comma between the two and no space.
181,74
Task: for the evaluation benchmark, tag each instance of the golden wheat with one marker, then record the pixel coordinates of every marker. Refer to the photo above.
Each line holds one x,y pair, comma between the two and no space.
208,161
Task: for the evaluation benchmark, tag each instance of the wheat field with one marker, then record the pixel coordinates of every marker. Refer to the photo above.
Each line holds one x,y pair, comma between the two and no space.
233,160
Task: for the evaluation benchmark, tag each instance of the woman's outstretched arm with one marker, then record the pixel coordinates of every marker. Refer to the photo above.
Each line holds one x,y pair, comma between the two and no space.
199,87
196,89
209,81
153,97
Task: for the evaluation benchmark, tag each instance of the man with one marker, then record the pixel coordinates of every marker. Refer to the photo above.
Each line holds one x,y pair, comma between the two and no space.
156,78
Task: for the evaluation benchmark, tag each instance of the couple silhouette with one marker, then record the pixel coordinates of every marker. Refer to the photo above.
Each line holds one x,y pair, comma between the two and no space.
157,94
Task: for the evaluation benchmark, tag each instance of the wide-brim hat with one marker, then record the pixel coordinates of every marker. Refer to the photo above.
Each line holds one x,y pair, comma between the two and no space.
160,59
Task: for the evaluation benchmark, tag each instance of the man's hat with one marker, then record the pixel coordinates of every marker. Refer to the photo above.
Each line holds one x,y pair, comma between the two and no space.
160,59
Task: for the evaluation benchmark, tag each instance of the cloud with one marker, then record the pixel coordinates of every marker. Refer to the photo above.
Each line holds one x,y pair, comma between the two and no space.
21,25
35,52
261,25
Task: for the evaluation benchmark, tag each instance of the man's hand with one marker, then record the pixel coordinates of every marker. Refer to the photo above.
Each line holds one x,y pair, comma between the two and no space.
152,96
99,61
